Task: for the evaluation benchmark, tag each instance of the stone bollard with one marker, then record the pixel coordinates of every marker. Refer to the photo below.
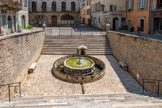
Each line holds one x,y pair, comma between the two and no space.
82,50
123,65
108,27
44,26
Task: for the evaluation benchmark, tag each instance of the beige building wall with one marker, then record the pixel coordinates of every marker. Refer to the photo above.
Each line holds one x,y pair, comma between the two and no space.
85,15
101,13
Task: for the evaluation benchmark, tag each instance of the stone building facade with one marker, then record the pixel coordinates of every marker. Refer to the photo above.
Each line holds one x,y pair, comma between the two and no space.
54,12
108,11
8,16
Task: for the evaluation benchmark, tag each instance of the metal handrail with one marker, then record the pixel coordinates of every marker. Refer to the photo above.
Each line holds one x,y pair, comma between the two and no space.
9,86
152,81
80,30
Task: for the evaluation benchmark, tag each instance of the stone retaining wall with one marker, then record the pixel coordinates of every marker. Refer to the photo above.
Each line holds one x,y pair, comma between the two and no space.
143,56
17,54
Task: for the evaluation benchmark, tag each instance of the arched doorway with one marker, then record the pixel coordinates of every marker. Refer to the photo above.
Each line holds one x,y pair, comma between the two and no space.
9,25
67,20
23,22
54,21
115,24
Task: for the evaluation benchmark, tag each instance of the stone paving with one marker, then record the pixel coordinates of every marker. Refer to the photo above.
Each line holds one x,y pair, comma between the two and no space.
43,83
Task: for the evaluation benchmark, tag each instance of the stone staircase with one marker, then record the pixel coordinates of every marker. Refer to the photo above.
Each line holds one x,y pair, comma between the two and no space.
123,100
66,45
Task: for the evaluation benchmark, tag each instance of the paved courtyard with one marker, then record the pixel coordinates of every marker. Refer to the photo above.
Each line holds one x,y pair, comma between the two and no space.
43,83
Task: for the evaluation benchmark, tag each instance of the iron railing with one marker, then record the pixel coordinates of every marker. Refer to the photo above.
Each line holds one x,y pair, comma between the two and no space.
152,81
17,84
74,31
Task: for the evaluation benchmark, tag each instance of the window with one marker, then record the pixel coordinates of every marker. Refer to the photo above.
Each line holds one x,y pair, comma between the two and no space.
130,5
88,11
73,6
25,3
34,6
63,6
159,3
44,7
112,7
142,4
54,6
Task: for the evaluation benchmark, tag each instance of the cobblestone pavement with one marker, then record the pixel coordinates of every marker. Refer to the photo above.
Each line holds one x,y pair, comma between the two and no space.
42,82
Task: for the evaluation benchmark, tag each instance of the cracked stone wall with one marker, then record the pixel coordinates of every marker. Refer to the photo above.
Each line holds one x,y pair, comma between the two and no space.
143,56
17,54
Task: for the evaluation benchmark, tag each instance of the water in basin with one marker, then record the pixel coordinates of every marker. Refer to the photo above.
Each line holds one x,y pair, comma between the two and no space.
79,62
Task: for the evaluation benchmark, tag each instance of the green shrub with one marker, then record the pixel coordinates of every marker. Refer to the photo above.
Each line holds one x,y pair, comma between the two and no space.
29,27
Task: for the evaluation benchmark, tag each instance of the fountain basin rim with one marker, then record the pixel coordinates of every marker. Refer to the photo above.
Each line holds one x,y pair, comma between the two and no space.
93,63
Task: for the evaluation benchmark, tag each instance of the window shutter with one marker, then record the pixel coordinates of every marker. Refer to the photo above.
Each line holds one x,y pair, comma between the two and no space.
138,4
145,4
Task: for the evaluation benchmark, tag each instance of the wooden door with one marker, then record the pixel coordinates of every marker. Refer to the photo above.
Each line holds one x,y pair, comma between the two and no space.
54,21
142,25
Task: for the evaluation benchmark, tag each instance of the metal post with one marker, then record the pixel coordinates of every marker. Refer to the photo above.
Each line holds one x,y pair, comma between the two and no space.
158,88
143,86
80,30
59,31
9,93
20,88
51,31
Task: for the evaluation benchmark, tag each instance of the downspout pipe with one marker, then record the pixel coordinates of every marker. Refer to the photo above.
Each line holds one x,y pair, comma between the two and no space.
150,18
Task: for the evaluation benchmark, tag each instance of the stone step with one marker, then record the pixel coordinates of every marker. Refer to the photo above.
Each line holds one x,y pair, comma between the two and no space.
73,101
58,45
83,36
70,53
76,46
79,42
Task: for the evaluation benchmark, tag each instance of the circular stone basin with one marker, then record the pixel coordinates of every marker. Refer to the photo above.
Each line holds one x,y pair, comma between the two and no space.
78,66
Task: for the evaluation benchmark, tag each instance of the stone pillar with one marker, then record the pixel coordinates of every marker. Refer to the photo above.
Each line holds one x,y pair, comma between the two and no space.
12,25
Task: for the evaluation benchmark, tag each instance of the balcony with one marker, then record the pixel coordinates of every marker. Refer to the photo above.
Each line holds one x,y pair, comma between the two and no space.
10,5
